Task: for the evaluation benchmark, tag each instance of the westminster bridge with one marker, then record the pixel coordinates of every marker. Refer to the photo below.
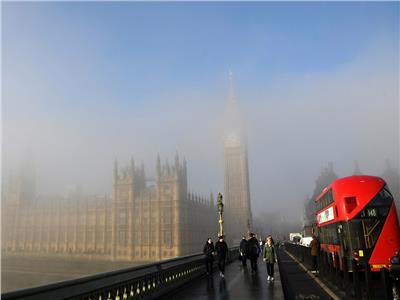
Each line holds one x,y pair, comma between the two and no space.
186,278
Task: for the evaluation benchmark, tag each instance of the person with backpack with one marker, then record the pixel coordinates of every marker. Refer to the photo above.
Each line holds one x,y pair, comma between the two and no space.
253,251
269,256
208,251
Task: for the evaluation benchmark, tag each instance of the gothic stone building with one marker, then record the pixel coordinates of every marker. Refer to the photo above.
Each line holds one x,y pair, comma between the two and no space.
139,221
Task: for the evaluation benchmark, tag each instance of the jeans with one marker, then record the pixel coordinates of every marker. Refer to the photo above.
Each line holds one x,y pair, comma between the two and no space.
209,264
270,269
253,264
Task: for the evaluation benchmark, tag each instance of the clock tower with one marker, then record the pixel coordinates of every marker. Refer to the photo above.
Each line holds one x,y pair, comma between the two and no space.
236,184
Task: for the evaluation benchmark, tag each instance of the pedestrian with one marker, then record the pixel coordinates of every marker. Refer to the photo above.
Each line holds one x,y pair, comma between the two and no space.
272,240
314,245
243,251
269,256
221,248
208,251
253,251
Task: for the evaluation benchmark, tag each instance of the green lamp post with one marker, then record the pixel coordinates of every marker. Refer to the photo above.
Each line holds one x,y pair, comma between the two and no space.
220,206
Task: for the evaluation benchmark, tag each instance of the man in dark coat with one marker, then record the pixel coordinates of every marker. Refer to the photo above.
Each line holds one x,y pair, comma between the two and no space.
221,248
314,245
243,251
253,251
208,251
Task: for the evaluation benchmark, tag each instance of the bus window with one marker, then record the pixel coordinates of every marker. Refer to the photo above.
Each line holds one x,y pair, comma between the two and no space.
350,203
366,227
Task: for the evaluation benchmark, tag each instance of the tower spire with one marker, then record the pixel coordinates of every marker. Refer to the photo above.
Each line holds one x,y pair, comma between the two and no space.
231,99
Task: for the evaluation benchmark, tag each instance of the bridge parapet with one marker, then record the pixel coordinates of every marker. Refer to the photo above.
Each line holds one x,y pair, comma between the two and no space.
144,282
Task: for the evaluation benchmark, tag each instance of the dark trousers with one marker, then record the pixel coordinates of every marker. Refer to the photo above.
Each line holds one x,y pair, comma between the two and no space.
270,269
314,262
244,258
221,264
253,264
209,264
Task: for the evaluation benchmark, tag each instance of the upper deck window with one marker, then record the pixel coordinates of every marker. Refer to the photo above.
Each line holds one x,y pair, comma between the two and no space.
325,200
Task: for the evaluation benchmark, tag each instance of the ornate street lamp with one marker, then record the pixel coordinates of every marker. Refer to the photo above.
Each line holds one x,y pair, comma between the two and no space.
220,206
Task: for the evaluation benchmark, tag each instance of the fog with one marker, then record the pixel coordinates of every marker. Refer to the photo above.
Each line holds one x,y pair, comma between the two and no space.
296,122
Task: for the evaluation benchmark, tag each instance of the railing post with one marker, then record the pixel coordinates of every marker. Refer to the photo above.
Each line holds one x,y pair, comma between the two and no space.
322,267
367,273
330,265
387,289
328,270
356,281
319,263
337,270
345,275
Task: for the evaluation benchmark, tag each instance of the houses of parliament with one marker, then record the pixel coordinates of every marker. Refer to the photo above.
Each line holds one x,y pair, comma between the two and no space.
141,220
138,222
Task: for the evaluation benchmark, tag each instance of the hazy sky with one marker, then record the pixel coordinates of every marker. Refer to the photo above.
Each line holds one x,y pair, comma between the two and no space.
85,83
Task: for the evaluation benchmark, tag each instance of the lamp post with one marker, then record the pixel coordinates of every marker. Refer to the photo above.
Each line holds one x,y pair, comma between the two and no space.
220,206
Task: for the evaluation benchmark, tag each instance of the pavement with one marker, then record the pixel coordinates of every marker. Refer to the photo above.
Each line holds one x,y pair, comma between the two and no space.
292,281
239,284
298,283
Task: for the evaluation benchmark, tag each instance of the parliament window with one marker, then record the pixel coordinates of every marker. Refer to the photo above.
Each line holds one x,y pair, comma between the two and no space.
167,238
122,237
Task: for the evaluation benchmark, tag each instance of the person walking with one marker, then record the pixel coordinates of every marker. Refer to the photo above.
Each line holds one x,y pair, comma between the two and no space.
208,251
269,256
243,251
253,251
314,245
221,248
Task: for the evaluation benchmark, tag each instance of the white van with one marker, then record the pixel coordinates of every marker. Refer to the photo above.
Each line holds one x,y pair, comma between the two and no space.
305,241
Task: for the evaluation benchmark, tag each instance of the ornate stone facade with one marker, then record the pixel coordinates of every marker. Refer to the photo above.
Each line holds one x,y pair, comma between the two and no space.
140,221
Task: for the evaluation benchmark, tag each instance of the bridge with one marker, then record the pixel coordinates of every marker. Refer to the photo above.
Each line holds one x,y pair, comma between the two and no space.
186,278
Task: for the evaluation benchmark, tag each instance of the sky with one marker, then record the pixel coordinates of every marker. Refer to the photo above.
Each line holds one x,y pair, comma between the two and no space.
88,82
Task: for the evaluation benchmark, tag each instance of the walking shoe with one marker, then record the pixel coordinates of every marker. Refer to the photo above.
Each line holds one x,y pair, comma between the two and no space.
268,278
272,278
222,275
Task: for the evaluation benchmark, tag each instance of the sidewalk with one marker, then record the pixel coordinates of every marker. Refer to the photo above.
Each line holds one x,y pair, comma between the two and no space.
239,284
297,283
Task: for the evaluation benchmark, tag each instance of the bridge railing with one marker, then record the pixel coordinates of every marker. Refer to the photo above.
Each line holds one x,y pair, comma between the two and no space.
354,279
144,282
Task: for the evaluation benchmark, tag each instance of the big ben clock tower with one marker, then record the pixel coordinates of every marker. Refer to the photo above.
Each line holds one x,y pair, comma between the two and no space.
236,185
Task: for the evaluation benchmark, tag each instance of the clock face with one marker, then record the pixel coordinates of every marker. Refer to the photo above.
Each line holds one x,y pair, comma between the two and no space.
232,139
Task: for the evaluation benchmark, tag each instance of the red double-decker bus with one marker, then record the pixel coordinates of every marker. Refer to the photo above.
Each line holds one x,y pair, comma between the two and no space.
356,218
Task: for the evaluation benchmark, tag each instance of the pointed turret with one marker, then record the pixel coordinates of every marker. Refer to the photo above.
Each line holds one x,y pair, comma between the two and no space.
176,160
158,166
357,170
132,166
167,167
142,173
232,98
115,170
211,199
184,168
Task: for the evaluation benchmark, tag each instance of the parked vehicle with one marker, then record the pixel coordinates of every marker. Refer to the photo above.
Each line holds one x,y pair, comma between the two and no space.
305,241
